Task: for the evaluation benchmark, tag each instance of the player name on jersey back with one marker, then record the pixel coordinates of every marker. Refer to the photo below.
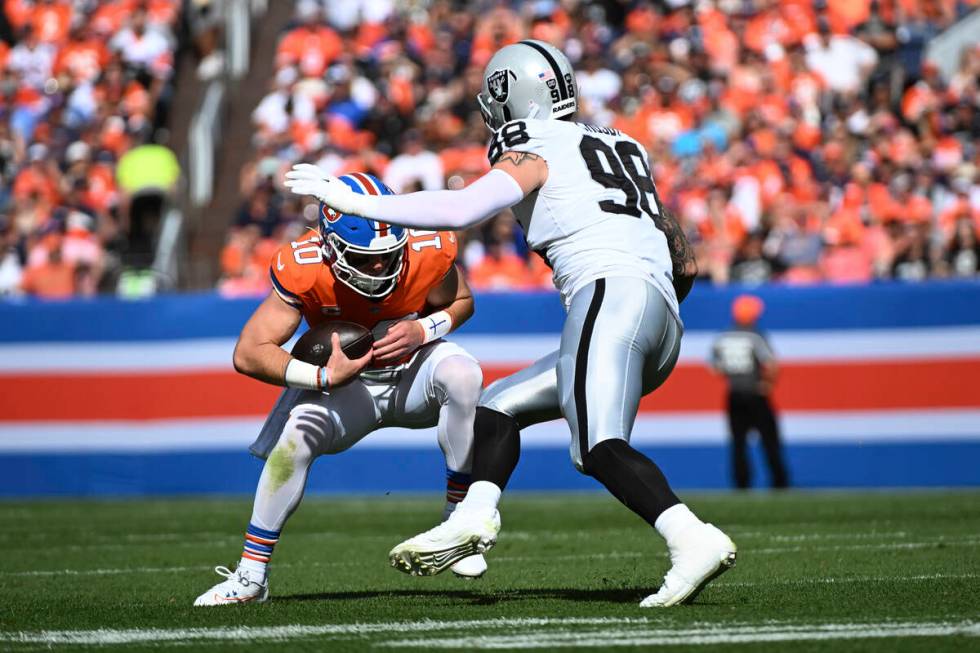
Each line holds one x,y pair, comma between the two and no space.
595,215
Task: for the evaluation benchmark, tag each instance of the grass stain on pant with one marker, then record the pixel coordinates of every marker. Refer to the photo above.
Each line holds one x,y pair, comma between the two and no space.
280,465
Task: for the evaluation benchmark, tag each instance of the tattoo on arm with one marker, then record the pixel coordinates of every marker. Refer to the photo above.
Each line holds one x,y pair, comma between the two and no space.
681,252
517,158
682,258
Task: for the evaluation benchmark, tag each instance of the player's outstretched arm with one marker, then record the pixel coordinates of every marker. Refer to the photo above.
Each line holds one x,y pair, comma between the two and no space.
452,304
435,209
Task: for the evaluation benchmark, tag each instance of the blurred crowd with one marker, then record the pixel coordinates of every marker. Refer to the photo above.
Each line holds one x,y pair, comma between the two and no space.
796,141
82,83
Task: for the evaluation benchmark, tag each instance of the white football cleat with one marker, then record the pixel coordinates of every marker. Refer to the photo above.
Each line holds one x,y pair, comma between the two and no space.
466,533
472,567
702,554
236,588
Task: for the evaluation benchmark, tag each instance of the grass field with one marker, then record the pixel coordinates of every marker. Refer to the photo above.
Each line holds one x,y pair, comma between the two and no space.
817,571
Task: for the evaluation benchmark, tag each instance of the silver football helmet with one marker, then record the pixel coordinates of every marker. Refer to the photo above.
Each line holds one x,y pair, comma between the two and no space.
529,79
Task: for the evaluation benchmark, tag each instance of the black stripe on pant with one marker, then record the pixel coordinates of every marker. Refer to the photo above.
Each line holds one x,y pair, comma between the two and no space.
582,367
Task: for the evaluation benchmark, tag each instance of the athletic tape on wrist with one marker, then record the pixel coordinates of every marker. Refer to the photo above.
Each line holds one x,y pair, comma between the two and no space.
306,376
436,325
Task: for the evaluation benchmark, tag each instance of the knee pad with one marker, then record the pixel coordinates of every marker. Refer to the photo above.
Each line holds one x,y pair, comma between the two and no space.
460,378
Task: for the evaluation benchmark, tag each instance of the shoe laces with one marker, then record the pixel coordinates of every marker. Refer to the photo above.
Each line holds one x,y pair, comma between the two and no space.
238,575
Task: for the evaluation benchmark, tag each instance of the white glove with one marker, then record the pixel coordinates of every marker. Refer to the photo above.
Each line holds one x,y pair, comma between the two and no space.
308,179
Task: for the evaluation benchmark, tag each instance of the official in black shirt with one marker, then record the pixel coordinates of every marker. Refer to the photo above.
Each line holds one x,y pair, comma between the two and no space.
744,356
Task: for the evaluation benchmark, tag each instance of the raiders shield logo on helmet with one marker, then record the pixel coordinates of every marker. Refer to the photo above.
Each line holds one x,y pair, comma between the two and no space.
498,85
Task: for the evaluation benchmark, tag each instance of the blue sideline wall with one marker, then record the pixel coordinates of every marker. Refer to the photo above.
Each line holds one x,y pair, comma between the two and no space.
28,324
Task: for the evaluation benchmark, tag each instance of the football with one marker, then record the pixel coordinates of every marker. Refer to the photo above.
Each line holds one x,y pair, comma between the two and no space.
314,346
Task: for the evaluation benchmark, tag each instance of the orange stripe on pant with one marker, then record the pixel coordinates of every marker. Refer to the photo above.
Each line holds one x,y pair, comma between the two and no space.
839,385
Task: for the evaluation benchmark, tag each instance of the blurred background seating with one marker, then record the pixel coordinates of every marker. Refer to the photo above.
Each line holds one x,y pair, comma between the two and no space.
798,142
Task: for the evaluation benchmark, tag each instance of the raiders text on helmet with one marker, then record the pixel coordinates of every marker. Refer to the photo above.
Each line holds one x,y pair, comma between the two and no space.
530,79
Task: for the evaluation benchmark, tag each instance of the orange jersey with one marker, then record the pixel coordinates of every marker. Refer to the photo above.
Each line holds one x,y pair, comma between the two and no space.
302,278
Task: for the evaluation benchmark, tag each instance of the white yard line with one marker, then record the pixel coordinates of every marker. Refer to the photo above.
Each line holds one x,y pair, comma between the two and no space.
156,570
692,637
887,546
545,632
609,555
832,580
808,537
102,572
199,540
248,634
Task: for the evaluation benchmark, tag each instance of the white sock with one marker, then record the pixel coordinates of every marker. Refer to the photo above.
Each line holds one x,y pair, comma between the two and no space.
256,569
675,520
482,495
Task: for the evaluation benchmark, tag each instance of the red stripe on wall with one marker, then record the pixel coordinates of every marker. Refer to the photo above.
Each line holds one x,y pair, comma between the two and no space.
826,386
134,396
831,386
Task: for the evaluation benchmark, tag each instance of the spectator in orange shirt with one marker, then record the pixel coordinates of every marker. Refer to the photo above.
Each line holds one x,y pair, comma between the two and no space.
767,28
312,46
541,276
40,177
51,20
843,259
53,279
244,263
501,268
84,56
18,12
498,28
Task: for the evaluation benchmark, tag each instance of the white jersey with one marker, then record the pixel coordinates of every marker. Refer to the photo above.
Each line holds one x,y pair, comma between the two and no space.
594,216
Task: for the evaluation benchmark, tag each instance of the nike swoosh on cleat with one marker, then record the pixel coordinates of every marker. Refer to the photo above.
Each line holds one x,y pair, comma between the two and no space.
234,600
443,559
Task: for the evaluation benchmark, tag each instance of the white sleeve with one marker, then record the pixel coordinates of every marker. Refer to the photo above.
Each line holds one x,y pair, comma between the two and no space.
450,209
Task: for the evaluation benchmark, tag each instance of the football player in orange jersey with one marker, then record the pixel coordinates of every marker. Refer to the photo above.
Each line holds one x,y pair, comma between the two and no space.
404,286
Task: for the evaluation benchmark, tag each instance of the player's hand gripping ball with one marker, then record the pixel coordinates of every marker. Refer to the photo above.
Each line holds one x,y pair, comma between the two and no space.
314,346
399,342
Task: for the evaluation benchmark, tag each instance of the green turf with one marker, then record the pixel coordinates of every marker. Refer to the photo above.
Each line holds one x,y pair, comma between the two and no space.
805,559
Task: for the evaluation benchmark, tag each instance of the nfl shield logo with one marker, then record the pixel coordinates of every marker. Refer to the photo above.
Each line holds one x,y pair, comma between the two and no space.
498,85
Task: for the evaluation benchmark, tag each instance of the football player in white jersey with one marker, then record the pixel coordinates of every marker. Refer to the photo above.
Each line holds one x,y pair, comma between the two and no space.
587,203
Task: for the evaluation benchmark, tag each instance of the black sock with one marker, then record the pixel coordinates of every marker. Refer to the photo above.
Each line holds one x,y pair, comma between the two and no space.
496,446
631,477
